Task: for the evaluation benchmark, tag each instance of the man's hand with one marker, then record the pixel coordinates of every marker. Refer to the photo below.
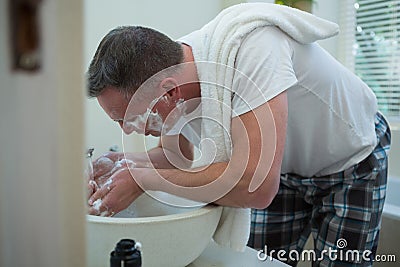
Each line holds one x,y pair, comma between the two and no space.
104,164
115,195
104,167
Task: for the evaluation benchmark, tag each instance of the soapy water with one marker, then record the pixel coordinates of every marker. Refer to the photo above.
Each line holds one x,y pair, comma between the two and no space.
97,204
137,123
104,166
152,119
108,169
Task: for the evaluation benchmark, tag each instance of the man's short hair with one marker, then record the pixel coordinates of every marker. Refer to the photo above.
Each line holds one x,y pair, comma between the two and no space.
127,56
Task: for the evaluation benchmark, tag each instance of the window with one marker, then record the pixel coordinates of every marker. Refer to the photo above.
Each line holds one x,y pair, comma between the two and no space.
370,46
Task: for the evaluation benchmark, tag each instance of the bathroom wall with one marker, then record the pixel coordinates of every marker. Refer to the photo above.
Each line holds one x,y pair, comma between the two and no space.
175,18
41,140
328,10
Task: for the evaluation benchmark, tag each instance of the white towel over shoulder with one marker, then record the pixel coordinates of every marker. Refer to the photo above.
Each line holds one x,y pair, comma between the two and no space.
215,47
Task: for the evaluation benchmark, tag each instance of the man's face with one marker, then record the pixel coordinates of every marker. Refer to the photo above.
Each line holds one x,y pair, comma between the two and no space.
142,114
114,104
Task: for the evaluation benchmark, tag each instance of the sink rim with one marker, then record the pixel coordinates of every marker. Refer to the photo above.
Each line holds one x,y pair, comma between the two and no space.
154,219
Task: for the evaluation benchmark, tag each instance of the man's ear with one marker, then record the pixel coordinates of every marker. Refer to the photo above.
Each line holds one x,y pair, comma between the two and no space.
169,86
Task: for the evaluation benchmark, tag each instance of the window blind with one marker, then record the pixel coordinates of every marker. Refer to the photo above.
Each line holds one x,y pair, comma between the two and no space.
377,57
372,41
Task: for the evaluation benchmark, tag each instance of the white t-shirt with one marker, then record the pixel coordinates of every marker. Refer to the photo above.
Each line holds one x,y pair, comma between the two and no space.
330,110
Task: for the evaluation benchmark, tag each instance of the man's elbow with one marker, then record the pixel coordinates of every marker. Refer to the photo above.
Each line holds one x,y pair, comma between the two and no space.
264,195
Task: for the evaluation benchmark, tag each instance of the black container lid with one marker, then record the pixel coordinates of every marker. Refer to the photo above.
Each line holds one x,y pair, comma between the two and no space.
126,252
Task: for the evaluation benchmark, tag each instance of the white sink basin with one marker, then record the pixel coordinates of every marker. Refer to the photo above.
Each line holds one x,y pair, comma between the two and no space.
170,236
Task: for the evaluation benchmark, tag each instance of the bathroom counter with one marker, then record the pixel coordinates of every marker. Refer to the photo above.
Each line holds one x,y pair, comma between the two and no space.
216,256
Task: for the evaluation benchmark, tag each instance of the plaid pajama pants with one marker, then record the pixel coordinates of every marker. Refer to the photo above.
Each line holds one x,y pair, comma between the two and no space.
341,207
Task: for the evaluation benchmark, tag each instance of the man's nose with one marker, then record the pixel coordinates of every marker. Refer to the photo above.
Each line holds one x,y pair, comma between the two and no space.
129,127
125,128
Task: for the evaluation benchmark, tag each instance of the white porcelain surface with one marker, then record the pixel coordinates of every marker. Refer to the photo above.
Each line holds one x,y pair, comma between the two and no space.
170,236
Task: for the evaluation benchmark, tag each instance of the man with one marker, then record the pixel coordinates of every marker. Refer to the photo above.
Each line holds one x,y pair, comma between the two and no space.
304,145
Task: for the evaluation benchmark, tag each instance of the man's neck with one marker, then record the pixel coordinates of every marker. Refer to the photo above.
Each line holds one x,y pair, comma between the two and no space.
191,87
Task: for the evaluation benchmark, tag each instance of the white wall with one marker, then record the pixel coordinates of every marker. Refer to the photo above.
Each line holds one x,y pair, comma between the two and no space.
41,140
329,10
174,18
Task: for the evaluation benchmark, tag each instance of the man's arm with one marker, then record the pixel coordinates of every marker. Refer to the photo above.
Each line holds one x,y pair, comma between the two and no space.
173,151
249,179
